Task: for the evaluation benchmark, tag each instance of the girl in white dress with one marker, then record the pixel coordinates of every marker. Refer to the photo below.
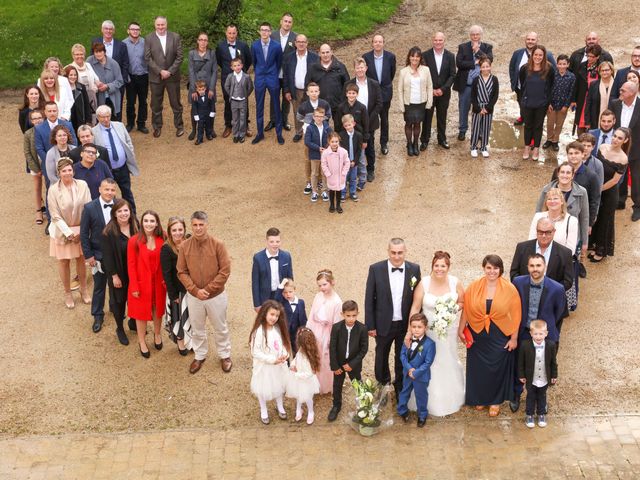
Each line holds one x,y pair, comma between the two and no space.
446,388
303,383
270,347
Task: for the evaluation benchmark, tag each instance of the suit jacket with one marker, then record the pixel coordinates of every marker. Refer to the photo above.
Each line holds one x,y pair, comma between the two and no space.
527,360
576,59
466,61
223,56
266,71
158,60
240,89
358,345
553,304
592,108
621,77
514,66
120,55
357,143
291,41
289,64
203,108
120,131
103,154
261,274
43,133
443,80
359,113
421,361
374,102
559,268
296,319
91,227
313,141
388,72
378,302
634,126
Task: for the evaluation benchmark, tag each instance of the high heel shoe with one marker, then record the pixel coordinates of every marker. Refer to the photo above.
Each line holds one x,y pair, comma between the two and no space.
86,298
184,352
68,300
157,345
146,354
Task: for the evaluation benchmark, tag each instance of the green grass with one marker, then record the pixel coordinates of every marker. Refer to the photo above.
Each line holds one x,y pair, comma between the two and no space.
30,32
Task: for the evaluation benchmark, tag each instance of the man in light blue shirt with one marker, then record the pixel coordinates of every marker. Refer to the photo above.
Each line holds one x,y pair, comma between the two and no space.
138,85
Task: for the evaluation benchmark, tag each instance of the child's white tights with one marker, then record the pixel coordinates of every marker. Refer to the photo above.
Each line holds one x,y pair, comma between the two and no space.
310,413
264,413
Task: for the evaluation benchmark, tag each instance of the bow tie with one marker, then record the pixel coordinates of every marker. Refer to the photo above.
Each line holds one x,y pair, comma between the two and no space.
538,286
293,304
274,258
399,269
539,347
107,205
232,45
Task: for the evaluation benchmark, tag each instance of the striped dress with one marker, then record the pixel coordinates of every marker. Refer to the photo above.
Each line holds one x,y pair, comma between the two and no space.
481,124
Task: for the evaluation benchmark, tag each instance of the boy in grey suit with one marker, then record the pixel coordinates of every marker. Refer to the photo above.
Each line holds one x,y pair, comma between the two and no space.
238,86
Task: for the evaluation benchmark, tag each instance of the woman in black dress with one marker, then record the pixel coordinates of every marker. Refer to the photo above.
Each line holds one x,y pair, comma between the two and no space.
176,310
614,161
492,310
33,100
81,111
115,238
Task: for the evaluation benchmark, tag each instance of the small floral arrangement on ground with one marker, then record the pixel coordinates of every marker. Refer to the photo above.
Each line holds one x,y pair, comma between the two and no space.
368,396
446,312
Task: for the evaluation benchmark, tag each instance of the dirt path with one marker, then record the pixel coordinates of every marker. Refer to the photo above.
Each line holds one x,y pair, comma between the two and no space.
60,377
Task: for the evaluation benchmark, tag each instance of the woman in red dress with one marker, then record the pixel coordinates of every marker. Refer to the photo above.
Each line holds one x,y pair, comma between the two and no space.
147,291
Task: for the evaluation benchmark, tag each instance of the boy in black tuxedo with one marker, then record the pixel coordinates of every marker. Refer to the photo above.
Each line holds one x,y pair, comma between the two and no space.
203,109
347,347
537,367
294,308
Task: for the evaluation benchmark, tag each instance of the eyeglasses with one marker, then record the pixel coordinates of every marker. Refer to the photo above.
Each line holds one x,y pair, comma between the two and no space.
545,232
90,152
635,56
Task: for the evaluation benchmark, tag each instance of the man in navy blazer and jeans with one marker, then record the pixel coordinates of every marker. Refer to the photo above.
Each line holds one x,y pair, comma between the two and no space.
270,267
95,215
267,60
388,298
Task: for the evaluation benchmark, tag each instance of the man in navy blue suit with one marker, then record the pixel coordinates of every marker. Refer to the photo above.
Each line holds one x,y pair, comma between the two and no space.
270,267
95,215
542,299
117,51
267,60
43,132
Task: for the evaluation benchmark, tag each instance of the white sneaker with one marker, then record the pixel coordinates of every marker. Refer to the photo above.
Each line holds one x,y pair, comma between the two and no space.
529,422
485,153
325,196
474,153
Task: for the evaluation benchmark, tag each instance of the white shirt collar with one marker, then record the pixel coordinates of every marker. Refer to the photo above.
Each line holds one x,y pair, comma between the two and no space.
266,250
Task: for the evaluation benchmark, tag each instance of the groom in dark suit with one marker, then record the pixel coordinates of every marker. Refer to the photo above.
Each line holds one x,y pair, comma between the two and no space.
270,267
442,66
388,299
95,215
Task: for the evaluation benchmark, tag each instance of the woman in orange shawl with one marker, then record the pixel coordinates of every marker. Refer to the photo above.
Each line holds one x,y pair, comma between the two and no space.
492,311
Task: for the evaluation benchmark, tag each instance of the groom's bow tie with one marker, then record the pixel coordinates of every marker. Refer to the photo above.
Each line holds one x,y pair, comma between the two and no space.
399,269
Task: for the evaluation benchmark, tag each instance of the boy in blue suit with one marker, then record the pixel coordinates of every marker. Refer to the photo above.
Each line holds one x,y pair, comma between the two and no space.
316,139
270,267
416,366
294,307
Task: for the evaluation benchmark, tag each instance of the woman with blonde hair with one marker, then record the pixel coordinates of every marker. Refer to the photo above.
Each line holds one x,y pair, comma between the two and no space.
86,75
54,91
66,200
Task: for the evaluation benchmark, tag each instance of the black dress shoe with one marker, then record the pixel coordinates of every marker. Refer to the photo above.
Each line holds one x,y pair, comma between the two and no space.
198,142
297,138
461,136
421,422
143,129
582,272
333,414
515,405
416,149
129,128
184,352
179,132
97,324
192,135
410,149
269,126
122,337
132,325
287,127
146,354
258,138
212,136
635,216
371,176
384,149
235,139
444,144
423,146
547,144
621,206
280,140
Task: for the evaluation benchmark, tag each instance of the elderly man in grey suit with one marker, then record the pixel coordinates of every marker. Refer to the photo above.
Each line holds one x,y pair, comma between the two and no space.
163,54
114,137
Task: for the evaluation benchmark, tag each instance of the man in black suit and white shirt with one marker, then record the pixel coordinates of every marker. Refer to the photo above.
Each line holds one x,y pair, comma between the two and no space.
227,50
580,56
442,66
388,299
95,215
381,66
286,38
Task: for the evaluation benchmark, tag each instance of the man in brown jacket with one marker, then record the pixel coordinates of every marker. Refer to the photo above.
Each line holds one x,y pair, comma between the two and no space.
203,268
163,54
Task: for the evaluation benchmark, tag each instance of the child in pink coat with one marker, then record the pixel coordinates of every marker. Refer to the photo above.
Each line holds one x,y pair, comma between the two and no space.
335,166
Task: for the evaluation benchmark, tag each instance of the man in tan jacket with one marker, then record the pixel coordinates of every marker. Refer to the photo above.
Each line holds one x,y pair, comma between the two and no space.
203,268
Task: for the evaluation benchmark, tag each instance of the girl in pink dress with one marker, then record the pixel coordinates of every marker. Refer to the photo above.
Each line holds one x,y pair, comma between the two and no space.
325,311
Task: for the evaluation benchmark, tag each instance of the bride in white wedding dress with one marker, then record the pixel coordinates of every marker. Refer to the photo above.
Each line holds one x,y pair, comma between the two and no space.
446,388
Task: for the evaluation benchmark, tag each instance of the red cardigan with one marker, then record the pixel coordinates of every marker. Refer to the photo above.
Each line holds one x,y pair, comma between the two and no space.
145,276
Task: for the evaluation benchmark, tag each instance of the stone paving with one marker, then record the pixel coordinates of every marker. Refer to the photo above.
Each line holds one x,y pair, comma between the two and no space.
481,448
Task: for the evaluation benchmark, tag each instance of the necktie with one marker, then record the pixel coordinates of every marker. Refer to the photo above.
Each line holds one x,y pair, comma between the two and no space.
348,339
265,50
351,148
108,205
399,269
114,152
604,138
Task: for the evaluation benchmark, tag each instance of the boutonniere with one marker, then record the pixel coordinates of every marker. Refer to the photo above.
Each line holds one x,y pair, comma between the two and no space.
413,282
420,349
290,44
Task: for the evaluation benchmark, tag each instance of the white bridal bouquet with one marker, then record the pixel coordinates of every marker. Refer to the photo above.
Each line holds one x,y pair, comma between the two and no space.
446,312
